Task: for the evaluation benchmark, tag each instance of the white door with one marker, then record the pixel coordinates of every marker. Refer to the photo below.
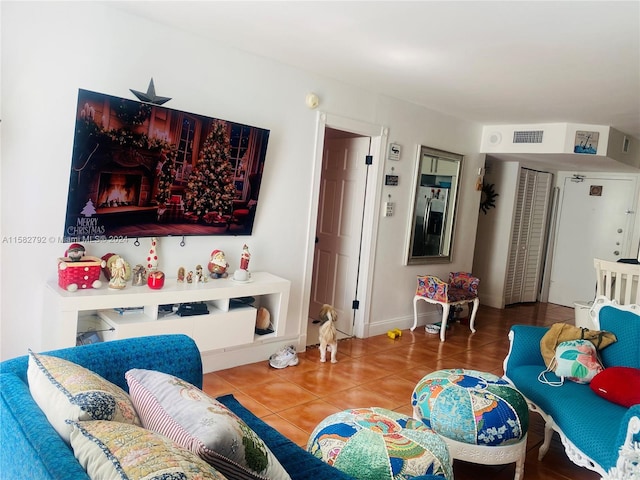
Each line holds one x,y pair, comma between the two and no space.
338,231
595,221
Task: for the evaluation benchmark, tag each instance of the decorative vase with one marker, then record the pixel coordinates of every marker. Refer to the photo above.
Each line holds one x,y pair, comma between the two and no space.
152,258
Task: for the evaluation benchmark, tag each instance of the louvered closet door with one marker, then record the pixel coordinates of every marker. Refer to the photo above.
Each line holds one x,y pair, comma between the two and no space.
528,237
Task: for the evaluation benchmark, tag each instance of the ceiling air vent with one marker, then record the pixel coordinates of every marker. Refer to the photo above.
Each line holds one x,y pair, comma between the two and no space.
528,136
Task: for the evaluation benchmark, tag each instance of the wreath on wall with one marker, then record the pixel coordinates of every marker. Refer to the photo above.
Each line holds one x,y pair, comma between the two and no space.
488,197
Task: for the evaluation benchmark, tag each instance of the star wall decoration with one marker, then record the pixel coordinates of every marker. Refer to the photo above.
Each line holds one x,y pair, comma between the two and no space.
150,96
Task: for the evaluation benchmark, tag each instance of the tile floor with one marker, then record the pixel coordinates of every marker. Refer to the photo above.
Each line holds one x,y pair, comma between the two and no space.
379,371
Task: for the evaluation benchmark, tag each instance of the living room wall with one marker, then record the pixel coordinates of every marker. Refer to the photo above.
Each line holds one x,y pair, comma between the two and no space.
52,49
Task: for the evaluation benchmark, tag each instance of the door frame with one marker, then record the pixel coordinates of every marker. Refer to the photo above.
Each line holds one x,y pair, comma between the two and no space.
378,135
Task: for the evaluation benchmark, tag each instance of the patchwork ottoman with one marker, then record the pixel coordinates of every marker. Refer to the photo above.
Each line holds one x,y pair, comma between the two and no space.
482,418
378,444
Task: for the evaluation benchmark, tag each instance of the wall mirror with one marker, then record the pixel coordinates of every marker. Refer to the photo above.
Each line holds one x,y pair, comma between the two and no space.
434,206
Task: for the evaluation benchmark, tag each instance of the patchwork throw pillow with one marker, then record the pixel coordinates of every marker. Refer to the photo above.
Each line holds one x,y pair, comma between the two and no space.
66,391
619,385
199,423
118,451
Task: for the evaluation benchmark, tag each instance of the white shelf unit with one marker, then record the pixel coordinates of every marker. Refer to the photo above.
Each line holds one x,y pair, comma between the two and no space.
225,326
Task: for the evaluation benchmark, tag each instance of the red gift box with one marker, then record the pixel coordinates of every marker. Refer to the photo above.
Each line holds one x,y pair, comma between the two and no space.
83,273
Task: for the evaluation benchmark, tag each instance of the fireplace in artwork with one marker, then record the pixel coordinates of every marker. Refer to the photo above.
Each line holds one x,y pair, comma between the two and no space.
118,190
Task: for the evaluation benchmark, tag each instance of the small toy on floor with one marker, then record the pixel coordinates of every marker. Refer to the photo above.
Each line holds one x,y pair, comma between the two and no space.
395,333
328,333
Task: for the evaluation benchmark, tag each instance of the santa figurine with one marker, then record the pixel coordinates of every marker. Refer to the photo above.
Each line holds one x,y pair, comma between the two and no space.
244,258
218,265
75,252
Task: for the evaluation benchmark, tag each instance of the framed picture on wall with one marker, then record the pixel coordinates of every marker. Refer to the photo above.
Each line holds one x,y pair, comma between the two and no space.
143,170
586,142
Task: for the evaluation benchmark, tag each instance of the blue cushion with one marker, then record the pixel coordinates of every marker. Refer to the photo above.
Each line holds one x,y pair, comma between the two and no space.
30,445
112,359
572,406
625,352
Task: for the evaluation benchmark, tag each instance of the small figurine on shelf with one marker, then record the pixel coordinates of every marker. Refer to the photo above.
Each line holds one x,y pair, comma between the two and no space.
181,275
118,273
244,258
242,274
190,276
109,260
200,277
218,265
139,275
75,252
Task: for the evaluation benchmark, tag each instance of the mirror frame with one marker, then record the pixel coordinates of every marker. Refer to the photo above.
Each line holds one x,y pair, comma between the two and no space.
445,254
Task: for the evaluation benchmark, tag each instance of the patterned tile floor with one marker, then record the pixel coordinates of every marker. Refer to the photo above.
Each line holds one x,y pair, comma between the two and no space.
379,371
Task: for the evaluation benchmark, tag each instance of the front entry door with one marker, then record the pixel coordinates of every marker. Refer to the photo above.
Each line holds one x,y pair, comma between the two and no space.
596,218
338,230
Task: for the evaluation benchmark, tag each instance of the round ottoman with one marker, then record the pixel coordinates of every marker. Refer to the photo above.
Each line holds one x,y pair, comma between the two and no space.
482,418
378,444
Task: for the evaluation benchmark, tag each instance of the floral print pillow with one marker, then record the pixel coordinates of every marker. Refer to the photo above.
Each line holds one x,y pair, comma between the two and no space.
577,360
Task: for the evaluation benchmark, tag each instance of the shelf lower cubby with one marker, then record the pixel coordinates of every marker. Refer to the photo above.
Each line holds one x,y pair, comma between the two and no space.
229,329
217,329
140,324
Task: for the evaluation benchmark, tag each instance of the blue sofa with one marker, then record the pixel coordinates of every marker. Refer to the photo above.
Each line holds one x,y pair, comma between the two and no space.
592,429
31,449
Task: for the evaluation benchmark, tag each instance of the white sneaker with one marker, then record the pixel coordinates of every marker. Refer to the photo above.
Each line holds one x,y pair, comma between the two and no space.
285,357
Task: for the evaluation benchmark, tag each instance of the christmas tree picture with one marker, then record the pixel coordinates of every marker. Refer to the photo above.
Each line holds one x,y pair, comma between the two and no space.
210,188
141,170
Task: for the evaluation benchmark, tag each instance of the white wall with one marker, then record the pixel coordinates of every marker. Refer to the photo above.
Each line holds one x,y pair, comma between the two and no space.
51,49
494,233
395,283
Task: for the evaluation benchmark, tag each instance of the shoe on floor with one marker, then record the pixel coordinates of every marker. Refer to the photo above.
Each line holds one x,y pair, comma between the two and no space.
285,357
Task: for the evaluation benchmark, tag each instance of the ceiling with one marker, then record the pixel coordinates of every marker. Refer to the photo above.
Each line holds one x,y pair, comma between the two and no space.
509,62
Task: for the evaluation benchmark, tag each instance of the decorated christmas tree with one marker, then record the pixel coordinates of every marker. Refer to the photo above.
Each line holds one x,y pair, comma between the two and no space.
210,188
166,171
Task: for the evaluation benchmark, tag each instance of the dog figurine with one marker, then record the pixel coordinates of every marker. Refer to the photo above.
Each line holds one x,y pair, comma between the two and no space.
328,333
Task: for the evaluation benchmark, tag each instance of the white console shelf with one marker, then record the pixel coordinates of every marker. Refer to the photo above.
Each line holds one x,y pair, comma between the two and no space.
227,325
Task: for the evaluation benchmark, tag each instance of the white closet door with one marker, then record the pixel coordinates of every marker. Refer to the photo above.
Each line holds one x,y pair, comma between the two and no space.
529,229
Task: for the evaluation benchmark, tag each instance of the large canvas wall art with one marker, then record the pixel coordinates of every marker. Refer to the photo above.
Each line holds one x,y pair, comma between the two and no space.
142,170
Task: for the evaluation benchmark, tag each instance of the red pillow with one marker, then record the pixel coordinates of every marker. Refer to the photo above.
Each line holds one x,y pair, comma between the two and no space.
619,385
